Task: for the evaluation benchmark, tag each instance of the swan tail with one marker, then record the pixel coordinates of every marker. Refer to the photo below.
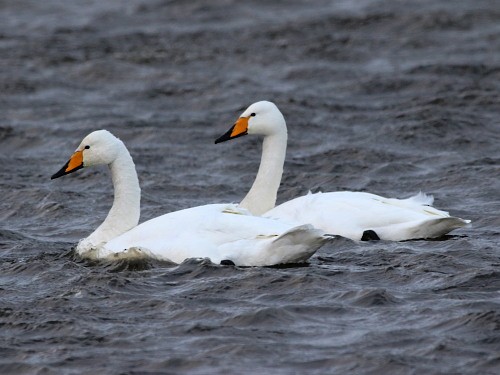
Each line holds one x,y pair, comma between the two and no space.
440,227
420,230
422,199
421,202
298,244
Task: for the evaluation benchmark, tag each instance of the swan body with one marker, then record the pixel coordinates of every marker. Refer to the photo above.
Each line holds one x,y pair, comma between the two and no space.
348,214
218,231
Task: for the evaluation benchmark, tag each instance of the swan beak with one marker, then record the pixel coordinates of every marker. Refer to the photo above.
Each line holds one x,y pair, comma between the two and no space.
239,129
74,163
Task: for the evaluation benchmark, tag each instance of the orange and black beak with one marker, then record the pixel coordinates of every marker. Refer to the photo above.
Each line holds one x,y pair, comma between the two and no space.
239,129
74,163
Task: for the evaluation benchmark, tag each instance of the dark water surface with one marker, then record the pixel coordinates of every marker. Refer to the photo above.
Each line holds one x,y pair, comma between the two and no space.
380,96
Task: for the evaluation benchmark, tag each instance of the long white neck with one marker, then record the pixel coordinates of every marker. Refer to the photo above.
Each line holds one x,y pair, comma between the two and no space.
125,212
262,196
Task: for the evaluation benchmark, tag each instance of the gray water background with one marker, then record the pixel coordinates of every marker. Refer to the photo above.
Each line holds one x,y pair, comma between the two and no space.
381,96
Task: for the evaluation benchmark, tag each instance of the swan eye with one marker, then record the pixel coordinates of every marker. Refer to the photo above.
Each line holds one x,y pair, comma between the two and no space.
87,147
252,114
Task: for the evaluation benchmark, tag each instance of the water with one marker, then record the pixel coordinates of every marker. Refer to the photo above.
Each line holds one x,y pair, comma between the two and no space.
379,96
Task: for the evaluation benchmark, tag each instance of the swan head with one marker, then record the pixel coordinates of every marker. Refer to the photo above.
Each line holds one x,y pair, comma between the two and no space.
99,147
261,118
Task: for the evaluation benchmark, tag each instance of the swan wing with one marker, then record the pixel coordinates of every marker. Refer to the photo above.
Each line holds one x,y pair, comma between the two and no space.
349,214
220,232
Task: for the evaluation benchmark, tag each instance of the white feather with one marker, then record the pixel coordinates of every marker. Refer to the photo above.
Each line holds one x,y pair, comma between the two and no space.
218,232
347,214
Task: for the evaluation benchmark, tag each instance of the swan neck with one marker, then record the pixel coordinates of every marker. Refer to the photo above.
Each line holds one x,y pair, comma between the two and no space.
262,196
125,211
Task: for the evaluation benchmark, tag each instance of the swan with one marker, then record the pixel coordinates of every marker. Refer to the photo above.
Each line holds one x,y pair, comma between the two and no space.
224,233
355,215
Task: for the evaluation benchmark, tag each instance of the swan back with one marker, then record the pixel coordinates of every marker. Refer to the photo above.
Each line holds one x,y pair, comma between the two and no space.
220,232
349,214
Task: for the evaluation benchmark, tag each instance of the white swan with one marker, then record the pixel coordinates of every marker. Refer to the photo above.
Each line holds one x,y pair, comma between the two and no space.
355,215
221,232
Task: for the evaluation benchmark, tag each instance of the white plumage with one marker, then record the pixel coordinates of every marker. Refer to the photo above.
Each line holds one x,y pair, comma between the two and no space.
348,214
217,231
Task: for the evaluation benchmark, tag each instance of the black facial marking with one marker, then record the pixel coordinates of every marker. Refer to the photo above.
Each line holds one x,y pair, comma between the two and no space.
62,171
227,136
